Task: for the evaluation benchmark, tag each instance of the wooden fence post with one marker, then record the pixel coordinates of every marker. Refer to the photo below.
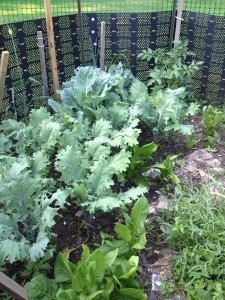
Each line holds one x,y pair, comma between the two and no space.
13,288
51,45
102,46
179,19
3,70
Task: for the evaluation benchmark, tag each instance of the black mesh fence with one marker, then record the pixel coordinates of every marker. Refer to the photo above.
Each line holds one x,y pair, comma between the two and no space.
204,27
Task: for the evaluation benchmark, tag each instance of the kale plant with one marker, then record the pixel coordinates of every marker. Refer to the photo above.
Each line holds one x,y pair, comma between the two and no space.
95,94
90,158
30,198
164,111
27,214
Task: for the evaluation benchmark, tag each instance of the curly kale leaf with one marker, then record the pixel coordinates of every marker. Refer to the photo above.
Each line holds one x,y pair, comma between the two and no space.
27,212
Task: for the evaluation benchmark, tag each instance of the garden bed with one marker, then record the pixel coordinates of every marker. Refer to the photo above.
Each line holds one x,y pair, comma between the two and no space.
94,189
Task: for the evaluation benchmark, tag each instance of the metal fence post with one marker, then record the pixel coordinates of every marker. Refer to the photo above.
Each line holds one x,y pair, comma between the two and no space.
179,19
102,46
43,65
81,30
173,23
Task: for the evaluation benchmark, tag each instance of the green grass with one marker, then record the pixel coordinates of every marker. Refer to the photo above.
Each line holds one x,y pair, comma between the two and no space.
15,11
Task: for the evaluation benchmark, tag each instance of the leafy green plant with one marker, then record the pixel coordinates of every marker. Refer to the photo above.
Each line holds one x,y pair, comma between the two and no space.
132,235
88,164
213,118
86,156
30,198
42,266
39,137
87,159
95,94
167,169
106,273
194,226
27,216
171,68
191,143
139,162
95,276
168,288
164,111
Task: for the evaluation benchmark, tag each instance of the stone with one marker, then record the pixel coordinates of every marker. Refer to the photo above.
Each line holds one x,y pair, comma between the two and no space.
200,165
152,210
163,202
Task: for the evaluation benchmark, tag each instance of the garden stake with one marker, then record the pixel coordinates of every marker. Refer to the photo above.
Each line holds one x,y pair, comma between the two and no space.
172,26
179,19
3,71
102,46
81,31
51,45
43,66
13,288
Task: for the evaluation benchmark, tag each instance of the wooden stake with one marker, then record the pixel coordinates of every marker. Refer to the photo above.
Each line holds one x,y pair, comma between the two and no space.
43,65
3,71
13,288
179,19
51,45
102,46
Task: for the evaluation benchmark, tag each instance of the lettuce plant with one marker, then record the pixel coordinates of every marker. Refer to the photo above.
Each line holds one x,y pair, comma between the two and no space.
95,276
107,273
139,162
131,235
213,118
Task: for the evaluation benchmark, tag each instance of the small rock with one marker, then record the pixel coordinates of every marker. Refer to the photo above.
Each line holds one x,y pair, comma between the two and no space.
152,210
200,165
79,214
157,281
163,266
153,296
152,173
213,163
163,203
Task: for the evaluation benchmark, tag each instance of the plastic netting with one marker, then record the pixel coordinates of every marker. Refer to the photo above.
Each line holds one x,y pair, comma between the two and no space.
16,11
125,6
212,7
12,11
